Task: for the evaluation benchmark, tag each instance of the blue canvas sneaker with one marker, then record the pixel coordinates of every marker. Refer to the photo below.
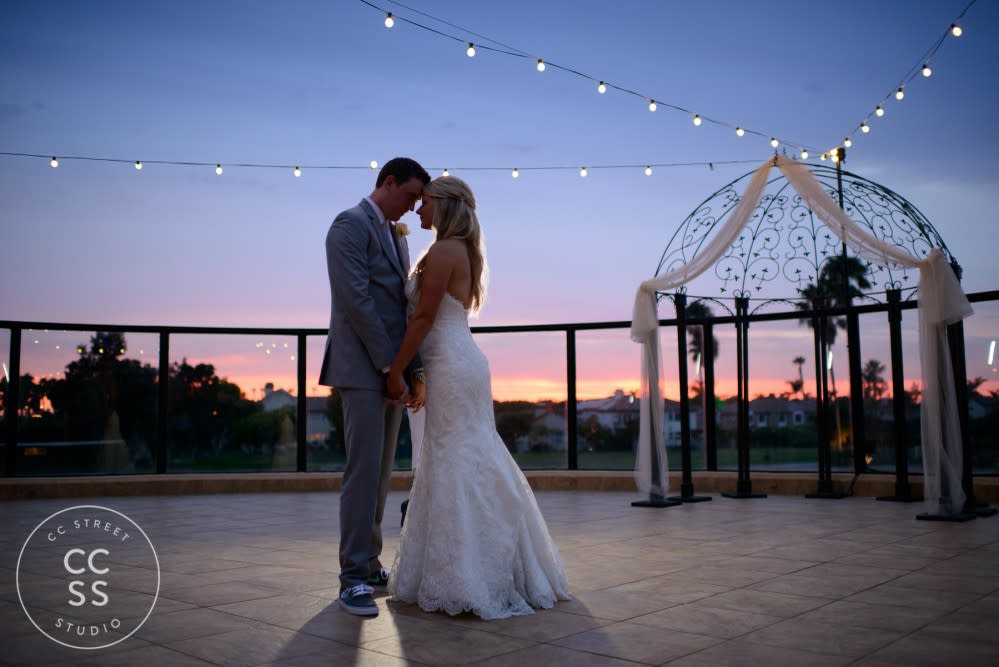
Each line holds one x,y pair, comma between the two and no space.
357,600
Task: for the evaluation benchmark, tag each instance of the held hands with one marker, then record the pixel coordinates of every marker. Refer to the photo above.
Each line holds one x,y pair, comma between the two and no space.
396,390
418,397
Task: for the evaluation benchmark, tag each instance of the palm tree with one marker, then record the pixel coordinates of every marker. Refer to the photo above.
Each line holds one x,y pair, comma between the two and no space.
800,385
695,336
841,279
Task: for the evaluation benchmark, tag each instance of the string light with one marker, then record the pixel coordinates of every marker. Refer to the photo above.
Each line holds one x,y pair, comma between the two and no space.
298,172
373,164
926,70
865,128
847,142
804,155
445,172
515,173
648,170
389,21
54,162
470,50
583,172
899,94
879,111
774,142
138,165
739,131
218,169
953,29
823,157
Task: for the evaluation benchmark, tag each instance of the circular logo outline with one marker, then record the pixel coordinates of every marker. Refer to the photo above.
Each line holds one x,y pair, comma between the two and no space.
17,576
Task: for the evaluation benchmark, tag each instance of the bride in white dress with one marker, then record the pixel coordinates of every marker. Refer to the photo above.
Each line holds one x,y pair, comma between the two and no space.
474,539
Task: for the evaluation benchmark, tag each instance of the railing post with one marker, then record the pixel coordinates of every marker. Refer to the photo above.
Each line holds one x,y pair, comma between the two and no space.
744,486
857,416
162,403
710,432
13,402
302,425
571,435
903,493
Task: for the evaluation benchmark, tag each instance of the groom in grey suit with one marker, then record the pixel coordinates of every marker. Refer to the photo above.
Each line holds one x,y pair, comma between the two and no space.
368,263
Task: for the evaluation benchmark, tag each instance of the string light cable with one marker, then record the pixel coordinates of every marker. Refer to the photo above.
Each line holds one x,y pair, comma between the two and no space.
602,85
298,169
920,69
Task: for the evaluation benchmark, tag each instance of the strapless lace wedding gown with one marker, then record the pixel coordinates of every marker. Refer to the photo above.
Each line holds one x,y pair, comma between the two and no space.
474,539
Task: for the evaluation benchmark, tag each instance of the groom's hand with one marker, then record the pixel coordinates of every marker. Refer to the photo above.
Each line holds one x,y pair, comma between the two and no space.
396,389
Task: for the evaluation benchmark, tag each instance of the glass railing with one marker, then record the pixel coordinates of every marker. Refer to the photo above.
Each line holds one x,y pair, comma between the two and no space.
104,400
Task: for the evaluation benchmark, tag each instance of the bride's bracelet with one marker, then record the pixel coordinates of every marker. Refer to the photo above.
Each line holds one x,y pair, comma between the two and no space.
419,375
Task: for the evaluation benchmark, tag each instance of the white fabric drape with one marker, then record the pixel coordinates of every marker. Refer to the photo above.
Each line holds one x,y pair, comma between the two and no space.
941,303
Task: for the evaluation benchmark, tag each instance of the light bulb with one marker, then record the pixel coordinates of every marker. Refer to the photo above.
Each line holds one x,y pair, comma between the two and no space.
218,169
956,30
373,164
541,65
865,128
445,172
652,105
138,165
927,71
582,172
879,111
804,154
648,171
774,142
54,163
697,120
847,142
835,156
389,21
739,131
515,173
601,87
899,94
823,157
470,50
298,172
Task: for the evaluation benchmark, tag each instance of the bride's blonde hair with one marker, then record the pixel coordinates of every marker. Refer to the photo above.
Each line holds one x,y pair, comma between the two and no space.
454,218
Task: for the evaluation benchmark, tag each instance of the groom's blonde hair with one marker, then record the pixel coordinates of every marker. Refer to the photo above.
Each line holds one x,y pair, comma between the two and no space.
455,218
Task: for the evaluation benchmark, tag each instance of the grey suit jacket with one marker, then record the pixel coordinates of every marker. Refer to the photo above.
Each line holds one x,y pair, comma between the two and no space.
368,311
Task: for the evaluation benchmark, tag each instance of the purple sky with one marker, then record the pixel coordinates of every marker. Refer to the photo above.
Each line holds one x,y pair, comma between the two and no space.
326,83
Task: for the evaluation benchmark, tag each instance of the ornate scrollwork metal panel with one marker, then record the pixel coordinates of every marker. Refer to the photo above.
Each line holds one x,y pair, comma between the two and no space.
784,246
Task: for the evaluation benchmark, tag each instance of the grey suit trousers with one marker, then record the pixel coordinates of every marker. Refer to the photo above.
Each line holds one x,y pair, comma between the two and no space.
371,431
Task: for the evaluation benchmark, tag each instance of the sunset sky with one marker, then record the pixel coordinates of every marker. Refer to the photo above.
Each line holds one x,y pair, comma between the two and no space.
325,83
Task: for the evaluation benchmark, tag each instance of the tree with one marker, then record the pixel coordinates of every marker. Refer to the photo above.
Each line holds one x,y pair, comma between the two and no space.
840,279
873,380
699,310
202,407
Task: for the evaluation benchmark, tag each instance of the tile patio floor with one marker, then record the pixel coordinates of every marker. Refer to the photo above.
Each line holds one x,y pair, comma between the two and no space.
251,580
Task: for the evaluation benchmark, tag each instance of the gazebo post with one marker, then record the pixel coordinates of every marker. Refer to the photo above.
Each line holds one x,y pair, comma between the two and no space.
687,483
744,486
820,323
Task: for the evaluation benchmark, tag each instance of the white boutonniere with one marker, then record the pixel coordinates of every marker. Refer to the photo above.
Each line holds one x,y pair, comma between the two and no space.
401,229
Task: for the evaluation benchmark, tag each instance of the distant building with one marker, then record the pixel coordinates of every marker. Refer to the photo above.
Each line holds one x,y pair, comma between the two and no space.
317,423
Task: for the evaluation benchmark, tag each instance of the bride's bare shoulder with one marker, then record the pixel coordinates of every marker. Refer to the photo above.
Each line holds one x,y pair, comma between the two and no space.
447,250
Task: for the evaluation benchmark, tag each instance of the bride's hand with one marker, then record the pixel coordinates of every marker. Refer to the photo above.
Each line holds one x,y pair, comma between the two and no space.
418,396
